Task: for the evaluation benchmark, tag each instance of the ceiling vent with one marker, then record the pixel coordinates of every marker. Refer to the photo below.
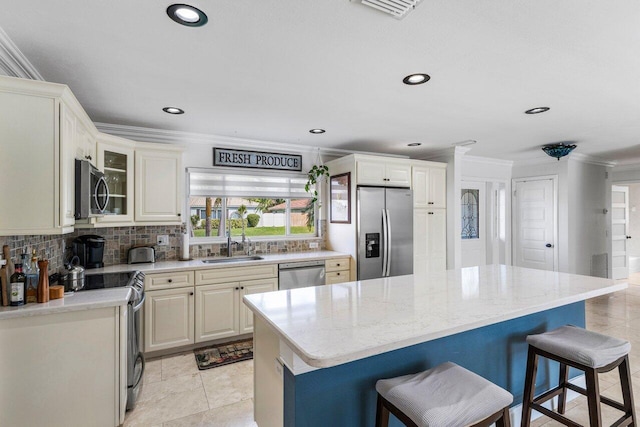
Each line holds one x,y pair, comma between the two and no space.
396,8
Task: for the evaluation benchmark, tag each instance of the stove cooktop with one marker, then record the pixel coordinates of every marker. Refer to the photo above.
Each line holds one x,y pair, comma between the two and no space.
107,280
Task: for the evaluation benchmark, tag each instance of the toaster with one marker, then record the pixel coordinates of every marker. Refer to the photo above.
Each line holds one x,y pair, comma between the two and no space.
142,254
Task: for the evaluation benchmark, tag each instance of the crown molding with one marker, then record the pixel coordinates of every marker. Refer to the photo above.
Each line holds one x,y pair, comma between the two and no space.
576,157
489,161
145,134
446,152
13,62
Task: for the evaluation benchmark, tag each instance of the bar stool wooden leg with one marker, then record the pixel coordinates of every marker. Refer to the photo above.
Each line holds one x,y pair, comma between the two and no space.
529,387
504,421
382,414
593,398
562,381
627,391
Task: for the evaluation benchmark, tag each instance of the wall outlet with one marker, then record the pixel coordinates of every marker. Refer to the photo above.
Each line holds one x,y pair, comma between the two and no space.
313,245
163,240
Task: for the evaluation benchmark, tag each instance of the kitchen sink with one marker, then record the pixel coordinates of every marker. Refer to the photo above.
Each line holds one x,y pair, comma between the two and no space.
232,259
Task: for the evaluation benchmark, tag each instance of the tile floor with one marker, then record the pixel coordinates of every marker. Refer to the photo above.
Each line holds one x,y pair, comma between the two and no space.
177,394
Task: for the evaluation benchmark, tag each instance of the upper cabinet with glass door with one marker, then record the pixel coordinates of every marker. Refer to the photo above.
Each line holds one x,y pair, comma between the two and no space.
116,159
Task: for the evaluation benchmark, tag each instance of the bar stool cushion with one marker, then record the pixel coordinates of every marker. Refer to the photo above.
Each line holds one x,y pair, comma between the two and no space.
445,396
579,345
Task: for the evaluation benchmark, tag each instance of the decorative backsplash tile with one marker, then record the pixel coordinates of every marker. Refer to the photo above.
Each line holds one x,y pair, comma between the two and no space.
57,249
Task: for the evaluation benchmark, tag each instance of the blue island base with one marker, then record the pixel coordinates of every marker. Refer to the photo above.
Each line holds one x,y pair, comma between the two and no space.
345,395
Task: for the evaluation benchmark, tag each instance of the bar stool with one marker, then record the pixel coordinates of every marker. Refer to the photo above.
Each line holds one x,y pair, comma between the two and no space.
587,351
445,396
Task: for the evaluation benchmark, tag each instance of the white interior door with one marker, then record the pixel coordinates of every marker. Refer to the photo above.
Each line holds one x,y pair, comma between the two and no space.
619,231
474,223
535,224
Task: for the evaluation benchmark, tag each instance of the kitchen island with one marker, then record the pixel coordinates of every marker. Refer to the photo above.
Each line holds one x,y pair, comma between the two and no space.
336,341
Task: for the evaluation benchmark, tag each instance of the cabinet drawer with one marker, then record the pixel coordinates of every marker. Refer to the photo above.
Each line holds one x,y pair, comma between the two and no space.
336,277
178,279
337,264
235,274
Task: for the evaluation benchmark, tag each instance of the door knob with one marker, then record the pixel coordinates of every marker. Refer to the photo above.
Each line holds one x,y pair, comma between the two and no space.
628,237
549,245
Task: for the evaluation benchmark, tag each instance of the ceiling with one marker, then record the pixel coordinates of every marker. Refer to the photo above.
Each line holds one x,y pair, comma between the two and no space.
272,70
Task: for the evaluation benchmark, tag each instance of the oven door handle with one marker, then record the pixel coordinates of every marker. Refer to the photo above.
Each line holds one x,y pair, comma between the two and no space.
139,305
141,371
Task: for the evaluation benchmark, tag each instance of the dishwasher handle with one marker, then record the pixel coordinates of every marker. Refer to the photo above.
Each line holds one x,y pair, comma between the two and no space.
296,265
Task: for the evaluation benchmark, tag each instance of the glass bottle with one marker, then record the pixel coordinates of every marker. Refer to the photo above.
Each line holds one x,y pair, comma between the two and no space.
32,278
18,290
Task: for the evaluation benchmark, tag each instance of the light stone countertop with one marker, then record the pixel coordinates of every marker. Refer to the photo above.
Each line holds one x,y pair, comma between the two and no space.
197,264
83,300
330,325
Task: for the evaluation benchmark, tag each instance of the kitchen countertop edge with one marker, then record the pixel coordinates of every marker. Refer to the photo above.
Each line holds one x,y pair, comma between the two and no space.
87,300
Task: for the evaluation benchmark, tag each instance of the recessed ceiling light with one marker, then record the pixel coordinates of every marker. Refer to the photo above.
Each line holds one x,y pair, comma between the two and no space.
187,15
414,144
537,110
173,110
317,131
416,79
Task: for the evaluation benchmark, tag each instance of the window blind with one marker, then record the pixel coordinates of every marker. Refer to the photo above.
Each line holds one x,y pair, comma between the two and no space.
222,184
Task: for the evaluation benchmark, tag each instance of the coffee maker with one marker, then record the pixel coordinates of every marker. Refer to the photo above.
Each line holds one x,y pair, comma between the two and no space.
90,250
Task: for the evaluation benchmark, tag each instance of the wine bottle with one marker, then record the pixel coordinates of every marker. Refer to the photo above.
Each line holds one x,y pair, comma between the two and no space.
18,286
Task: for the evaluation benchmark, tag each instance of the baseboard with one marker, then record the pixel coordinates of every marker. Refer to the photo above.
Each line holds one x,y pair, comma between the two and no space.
516,411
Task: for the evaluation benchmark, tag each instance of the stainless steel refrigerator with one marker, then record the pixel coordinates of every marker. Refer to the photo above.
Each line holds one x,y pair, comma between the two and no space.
385,232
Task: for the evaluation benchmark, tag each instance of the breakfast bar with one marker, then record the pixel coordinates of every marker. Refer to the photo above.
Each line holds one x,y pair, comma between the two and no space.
319,350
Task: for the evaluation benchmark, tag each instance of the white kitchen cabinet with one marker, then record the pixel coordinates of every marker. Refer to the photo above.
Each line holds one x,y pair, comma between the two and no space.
217,311
430,240
220,312
158,184
38,138
383,172
64,369
337,271
429,187
168,318
248,288
85,142
115,157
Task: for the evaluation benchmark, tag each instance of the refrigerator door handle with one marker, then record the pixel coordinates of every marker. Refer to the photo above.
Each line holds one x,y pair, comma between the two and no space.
388,243
385,245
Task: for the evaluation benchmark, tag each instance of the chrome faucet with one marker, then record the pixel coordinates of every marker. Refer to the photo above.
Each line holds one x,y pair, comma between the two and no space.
230,242
248,246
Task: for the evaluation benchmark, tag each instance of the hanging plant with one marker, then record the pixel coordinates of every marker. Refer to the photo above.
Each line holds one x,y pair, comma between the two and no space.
315,174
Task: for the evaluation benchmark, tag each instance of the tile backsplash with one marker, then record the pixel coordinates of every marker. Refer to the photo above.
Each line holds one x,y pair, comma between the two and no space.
57,249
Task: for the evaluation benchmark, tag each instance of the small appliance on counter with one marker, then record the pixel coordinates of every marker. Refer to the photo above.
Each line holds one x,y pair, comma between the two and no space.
90,250
72,277
141,254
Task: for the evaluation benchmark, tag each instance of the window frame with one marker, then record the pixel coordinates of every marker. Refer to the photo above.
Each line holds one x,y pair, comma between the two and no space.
193,240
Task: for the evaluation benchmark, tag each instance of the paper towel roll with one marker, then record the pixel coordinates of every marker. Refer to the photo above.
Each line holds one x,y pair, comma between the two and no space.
185,246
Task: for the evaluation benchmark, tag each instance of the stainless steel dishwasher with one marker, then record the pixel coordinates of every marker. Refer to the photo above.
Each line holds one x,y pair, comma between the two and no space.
300,274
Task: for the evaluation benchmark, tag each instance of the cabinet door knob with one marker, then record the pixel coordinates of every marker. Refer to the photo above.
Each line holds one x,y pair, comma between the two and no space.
429,203
179,214
337,274
337,265
170,280
430,213
241,287
237,288
549,245
190,293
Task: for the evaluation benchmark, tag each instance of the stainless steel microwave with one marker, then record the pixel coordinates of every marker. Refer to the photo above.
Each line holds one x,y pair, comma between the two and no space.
92,191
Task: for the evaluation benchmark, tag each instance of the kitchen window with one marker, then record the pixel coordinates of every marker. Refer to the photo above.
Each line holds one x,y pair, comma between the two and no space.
261,206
